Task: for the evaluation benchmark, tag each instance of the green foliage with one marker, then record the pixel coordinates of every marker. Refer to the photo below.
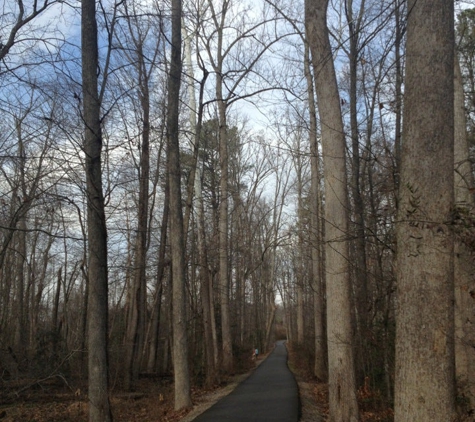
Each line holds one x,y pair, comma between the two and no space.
209,155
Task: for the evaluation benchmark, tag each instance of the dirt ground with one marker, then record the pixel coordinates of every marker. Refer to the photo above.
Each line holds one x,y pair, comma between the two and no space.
314,395
49,402
57,400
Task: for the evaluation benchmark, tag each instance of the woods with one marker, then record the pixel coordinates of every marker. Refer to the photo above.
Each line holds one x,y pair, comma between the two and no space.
183,182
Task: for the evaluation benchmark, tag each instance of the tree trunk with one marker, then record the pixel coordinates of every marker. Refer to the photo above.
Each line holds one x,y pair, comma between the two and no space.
195,185
180,338
99,407
227,361
157,302
464,268
57,296
19,237
21,331
424,385
206,284
399,80
223,275
135,336
359,243
315,235
341,375
300,272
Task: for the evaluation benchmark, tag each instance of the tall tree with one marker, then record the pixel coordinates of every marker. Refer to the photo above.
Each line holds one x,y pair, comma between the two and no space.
341,372
236,42
424,385
355,23
464,266
99,407
219,20
177,239
315,221
144,60
196,185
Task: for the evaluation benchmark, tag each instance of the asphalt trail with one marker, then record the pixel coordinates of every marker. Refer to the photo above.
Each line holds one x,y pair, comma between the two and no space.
269,394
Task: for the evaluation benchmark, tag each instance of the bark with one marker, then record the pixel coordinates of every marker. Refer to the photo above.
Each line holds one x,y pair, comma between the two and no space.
464,267
21,330
153,330
154,327
211,346
195,185
227,361
300,273
20,341
223,275
320,369
205,278
137,312
399,80
99,407
207,303
38,284
424,383
84,311
56,301
157,303
180,338
341,375
361,290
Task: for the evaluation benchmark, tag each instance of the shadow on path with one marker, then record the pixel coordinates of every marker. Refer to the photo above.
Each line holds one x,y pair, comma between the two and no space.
269,394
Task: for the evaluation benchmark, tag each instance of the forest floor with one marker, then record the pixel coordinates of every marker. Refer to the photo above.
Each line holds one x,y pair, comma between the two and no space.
314,395
57,400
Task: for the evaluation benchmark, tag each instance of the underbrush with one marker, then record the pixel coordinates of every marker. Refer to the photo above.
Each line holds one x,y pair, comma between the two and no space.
369,400
61,398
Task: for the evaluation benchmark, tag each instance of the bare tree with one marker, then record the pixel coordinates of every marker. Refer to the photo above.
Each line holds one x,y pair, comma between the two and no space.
180,340
424,386
23,14
99,408
316,232
143,58
341,371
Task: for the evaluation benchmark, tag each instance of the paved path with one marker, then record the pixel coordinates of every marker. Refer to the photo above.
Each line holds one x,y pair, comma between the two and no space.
269,394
